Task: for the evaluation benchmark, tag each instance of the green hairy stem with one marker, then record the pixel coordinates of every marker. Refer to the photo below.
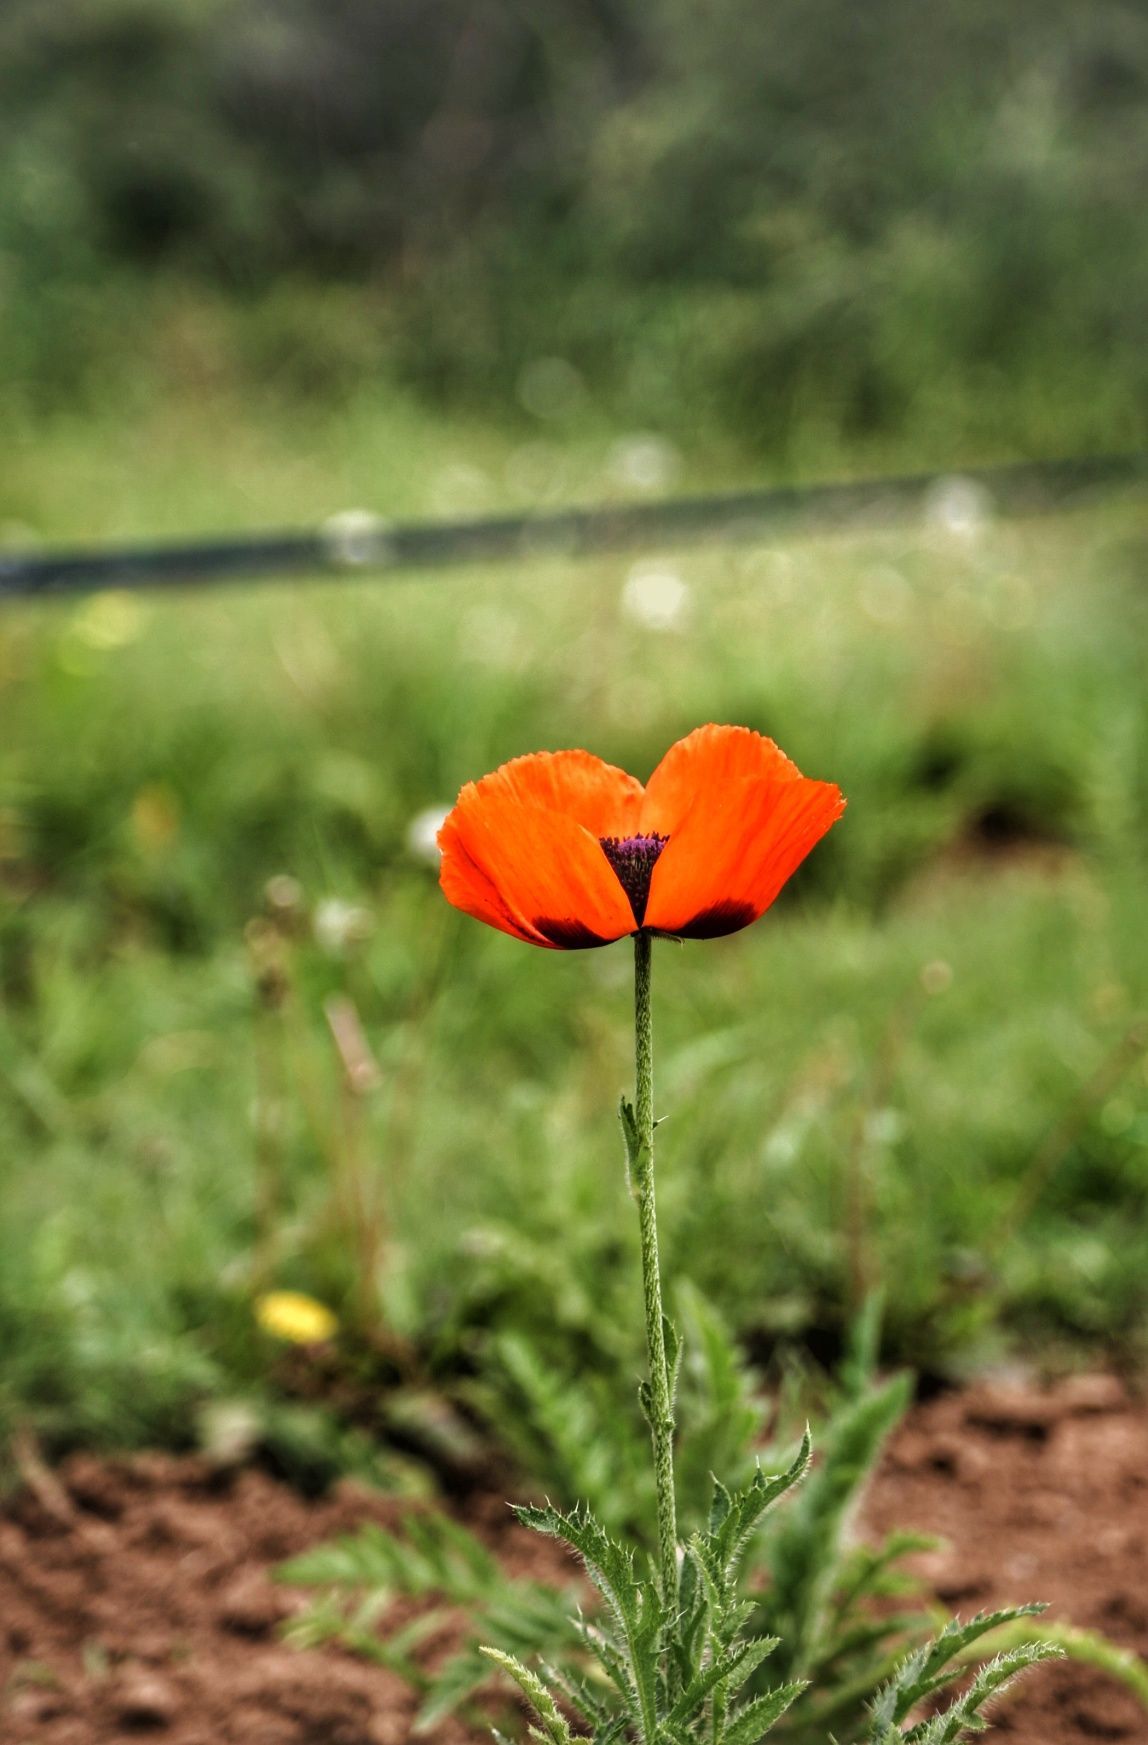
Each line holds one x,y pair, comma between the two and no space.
642,1185
674,1653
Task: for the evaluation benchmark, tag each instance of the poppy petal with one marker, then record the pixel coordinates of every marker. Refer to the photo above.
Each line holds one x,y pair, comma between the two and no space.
735,849
603,799
709,758
467,887
545,877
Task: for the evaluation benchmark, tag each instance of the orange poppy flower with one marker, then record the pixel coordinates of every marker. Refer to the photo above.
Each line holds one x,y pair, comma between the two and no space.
565,851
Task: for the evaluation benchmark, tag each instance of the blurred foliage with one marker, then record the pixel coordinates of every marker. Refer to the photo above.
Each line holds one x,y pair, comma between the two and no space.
805,1578
820,222
846,1613
919,1039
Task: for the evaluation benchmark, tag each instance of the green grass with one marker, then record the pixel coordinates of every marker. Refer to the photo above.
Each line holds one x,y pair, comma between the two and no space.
859,1089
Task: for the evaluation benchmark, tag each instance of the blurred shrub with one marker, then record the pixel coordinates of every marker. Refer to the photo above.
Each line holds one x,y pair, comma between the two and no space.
863,218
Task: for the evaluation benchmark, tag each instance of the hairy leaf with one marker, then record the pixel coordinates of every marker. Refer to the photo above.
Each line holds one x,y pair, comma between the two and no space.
754,1721
554,1724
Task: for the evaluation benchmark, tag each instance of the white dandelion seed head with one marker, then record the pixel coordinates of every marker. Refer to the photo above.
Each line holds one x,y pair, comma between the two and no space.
655,597
354,537
958,506
340,925
422,834
643,461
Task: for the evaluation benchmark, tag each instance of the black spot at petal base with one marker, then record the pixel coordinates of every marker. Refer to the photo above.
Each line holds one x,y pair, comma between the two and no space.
569,934
716,921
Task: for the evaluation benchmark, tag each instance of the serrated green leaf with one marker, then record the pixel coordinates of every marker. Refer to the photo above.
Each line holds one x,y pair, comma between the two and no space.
588,1705
556,1730
934,1664
1089,1647
731,1668
635,1607
738,1516
720,1506
609,1564
964,1716
753,1722
613,1663
805,1551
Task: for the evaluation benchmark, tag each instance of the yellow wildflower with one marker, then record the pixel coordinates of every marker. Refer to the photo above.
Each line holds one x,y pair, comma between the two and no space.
293,1316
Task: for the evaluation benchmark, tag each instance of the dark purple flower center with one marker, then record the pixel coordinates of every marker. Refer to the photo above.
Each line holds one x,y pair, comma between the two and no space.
633,858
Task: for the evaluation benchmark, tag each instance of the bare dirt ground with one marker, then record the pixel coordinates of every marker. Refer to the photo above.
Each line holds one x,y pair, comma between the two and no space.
136,1600
1041,1495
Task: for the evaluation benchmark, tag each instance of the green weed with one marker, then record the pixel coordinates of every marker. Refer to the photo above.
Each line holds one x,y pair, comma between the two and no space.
876,1080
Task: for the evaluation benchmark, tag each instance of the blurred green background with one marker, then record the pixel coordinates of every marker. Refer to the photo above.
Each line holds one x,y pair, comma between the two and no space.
811,223
262,262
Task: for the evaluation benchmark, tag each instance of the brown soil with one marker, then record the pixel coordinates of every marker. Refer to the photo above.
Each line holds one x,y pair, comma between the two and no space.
136,1600
1041,1495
